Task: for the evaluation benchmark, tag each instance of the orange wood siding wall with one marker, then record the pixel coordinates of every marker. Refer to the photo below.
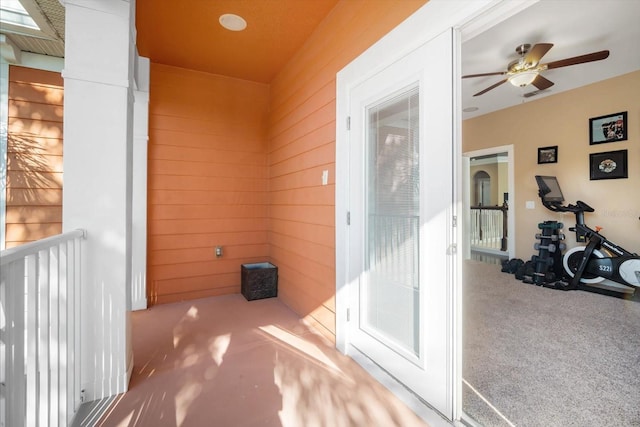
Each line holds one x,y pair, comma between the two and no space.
207,182
302,144
34,155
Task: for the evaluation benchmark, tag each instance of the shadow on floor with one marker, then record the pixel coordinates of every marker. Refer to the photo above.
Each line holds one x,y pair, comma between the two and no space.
224,361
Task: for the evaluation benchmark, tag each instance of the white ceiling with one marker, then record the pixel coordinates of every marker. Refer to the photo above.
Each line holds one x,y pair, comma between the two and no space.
575,27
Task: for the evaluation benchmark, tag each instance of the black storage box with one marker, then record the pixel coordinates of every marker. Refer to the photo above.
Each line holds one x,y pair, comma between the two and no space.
259,280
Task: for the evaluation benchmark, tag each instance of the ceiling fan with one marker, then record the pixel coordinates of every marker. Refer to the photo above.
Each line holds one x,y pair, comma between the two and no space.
526,69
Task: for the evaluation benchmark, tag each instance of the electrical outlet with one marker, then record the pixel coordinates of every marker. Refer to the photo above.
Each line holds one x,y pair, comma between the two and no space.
218,251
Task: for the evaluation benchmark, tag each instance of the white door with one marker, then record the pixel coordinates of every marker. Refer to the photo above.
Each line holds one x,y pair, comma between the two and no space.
401,220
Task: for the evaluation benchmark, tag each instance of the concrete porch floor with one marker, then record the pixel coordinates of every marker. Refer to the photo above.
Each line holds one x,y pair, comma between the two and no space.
224,361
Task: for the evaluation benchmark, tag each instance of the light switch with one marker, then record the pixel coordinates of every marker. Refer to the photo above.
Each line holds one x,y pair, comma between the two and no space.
530,204
325,177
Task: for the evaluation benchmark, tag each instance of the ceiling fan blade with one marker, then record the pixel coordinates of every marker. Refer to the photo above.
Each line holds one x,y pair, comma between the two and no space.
490,87
541,82
590,57
497,73
536,53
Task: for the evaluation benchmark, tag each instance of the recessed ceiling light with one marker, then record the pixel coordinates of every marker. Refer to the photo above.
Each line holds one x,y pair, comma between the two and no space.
233,22
470,109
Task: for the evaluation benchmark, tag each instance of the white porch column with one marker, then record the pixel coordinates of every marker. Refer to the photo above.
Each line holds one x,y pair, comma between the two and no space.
139,214
98,163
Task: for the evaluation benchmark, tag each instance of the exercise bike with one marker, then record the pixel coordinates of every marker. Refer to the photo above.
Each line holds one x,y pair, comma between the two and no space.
600,262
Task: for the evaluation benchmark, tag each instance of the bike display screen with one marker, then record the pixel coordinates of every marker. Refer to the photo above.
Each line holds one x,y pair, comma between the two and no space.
549,189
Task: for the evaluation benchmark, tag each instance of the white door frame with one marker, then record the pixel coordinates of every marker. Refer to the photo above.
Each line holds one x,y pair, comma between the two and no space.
469,18
466,192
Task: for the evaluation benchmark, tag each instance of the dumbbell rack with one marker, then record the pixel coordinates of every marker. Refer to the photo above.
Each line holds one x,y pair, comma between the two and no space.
548,263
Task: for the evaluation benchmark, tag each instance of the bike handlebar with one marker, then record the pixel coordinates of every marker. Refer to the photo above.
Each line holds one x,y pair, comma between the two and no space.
580,206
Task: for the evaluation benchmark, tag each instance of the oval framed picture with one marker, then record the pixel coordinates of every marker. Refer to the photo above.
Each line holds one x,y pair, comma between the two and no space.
608,165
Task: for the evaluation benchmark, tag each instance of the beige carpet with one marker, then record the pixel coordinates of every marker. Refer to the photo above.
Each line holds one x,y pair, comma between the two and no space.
544,357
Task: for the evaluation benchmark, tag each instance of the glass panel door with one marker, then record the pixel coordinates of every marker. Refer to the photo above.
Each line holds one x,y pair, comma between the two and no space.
391,292
400,204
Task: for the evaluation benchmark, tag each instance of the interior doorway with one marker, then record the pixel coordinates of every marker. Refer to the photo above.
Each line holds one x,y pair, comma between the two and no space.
488,193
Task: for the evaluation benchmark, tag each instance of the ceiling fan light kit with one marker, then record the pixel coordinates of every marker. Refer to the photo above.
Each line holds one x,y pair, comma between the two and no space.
526,70
523,78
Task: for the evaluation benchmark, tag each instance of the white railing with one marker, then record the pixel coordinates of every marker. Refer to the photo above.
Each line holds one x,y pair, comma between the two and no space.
40,332
489,227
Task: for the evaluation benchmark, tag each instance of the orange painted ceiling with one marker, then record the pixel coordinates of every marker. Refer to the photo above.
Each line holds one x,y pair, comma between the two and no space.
187,34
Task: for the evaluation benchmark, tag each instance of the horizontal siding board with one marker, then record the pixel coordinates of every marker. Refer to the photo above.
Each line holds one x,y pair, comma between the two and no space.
320,254
323,155
307,305
323,115
222,140
220,284
310,177
208,211
321,215
192,197
195,93
199,283
34,162
323,135
309,196
314,233
325,95
203,183
33,179
313,271
26,128
240,158
205,254
323,78
208,240
30,143
36,214
187,168
34,197
186,296
205,128
30,110
289,286
188,226
29,232
201,268
36,92
211,96
35,77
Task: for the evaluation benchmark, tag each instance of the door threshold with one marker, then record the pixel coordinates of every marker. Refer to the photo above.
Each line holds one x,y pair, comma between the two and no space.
417,405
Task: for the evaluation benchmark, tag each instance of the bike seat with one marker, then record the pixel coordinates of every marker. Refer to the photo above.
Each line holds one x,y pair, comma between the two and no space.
584,207
580,206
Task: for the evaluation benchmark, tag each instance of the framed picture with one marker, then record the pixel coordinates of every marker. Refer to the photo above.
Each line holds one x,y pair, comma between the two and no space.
548,154
610,128
608,165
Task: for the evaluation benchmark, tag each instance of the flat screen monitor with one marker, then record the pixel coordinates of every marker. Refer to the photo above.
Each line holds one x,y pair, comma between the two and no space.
549,189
